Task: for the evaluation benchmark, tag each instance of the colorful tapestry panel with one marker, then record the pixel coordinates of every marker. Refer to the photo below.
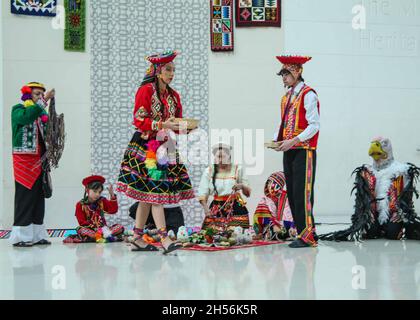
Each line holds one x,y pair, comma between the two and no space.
221,25
258,13
34,7
75,33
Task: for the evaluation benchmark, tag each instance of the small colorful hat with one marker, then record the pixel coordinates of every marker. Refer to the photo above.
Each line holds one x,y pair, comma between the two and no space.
94,178
27,90
275,185
296,60
36,85
162,58
27,97
292,63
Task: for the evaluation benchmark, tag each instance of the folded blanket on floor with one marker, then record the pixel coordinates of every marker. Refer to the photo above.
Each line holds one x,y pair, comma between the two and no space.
211,248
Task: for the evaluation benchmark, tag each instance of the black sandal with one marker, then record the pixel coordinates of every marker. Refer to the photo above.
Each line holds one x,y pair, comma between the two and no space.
172,247
23,244
137,248
42,242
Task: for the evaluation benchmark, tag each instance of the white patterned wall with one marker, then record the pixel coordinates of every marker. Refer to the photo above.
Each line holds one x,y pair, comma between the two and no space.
122,35
68,73
2,217
367,81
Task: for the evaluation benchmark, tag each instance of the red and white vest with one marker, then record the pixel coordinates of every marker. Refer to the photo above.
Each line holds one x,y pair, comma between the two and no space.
294,121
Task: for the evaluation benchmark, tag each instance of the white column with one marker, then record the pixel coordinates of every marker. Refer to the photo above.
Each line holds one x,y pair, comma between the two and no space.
1,125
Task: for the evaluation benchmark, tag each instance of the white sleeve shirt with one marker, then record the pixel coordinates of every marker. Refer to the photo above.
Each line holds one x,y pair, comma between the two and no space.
312,116
224,182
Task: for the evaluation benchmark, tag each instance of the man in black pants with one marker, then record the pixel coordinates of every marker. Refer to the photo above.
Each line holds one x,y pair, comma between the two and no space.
298,139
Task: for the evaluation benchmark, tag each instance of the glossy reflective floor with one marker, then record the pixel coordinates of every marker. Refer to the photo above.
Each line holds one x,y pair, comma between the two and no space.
376,269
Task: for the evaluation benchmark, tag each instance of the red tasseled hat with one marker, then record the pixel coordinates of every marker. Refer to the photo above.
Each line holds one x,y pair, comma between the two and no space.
296,60
86,181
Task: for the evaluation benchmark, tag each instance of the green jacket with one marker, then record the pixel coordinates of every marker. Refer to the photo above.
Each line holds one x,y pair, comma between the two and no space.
25,120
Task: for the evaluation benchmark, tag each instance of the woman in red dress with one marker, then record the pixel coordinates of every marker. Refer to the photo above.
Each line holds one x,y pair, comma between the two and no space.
151,172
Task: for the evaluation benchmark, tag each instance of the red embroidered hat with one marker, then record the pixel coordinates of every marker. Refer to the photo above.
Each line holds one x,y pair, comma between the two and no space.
156,62
296,60
86,181
162,58
292,63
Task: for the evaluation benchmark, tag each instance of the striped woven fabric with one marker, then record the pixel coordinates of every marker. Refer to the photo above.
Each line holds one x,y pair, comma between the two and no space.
212,248
4,234
57,233
53,233
21,163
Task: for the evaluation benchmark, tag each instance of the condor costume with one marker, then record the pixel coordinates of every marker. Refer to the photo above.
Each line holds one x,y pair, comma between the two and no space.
28,129
300,119
384,198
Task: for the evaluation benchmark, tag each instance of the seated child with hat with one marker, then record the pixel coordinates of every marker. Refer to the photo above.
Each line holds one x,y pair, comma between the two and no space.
273,218
91,211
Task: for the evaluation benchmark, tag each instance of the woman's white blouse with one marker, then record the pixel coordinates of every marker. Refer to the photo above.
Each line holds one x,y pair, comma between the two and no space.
224,182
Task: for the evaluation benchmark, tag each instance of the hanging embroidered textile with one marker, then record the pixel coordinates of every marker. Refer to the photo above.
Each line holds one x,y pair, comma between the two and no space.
258,13
75,32
34,7
221,24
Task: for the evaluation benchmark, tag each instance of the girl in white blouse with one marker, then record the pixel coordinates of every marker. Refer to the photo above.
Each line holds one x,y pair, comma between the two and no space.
224,181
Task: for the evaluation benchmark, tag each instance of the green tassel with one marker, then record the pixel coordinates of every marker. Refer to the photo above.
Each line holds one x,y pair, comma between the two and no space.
155,174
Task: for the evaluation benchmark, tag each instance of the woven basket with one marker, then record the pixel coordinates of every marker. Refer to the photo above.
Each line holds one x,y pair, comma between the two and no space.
191,123
271,144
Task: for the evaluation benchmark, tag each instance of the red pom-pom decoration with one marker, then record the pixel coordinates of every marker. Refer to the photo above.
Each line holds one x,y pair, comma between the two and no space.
44,118
26,90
